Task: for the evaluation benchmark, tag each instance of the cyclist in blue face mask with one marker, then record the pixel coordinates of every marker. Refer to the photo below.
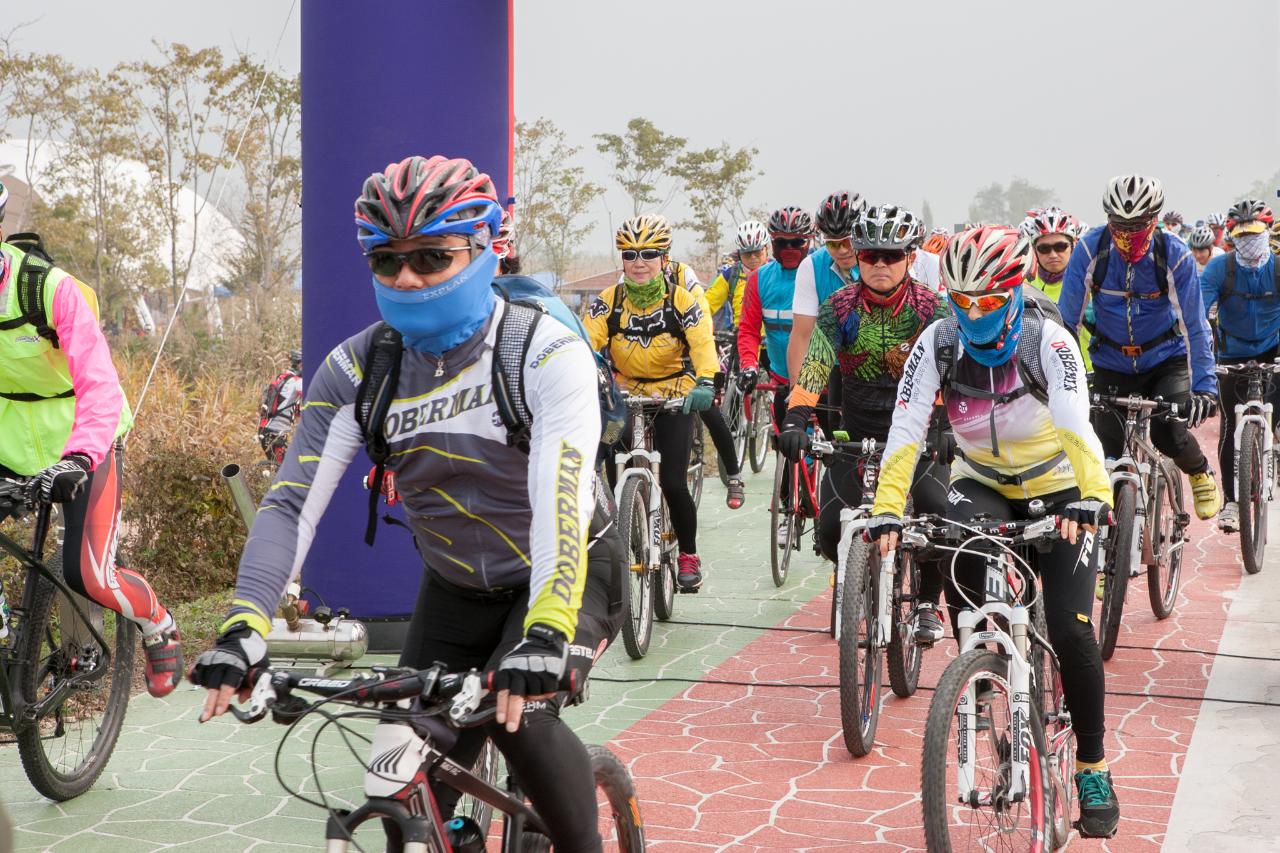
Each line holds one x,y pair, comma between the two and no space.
518,549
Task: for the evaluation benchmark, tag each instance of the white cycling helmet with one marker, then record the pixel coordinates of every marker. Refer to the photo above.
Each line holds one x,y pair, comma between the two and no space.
1216,220
888,227
989,257
1133,197
1201,238
752,236
1049,220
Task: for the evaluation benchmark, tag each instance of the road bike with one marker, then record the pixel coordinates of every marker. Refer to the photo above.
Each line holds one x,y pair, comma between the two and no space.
419,713
649,542
1149,518
998,744
792,504
1254,462
730,399
65,662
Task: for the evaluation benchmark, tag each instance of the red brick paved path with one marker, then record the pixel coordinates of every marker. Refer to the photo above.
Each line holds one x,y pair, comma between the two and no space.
759,768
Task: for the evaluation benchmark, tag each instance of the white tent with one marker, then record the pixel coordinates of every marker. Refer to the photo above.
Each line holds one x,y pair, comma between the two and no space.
214,233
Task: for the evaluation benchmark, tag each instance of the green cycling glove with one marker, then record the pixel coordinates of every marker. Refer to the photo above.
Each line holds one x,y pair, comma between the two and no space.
701,397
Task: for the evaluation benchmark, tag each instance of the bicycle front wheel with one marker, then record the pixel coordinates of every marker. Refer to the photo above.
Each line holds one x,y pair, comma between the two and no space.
697,458
637,601
1251,495
859,654
67,747
621,826
1118,559
784,521
966,773
760,429
904,653
1165,571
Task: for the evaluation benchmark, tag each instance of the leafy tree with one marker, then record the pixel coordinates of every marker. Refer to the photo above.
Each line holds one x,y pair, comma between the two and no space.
994,204
552,195
268,163
715,181
640,158
1265,189
35,100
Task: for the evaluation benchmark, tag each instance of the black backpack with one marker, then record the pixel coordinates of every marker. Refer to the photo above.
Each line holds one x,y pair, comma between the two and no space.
31,278
514,335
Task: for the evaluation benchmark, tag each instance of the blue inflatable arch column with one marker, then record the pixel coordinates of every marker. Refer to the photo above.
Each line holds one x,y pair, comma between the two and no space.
381,81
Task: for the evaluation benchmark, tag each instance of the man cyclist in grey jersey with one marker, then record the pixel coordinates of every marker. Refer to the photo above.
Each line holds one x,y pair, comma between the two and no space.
519,581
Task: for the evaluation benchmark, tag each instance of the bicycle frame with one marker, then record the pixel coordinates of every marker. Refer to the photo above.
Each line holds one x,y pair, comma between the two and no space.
1255,411
643,462
15,713
853,521
1135,465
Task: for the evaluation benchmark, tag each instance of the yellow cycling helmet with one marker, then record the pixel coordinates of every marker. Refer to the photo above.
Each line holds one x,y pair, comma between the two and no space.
650,231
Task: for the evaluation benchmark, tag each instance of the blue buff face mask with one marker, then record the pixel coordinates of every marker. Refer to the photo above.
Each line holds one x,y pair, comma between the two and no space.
438,318
983,341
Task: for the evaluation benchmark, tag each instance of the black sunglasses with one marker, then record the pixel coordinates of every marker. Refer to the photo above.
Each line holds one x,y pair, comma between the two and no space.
790,242
888,257
1059,248
629,255
421,261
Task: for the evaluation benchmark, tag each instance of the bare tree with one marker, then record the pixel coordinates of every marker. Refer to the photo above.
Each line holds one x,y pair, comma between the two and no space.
715,181
552,194
641,158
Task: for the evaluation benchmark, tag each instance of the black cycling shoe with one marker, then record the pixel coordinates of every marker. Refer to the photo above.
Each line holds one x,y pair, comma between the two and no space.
1099,808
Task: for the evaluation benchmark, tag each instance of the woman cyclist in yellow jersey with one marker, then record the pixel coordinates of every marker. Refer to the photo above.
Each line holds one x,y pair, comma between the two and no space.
1018,405
658,337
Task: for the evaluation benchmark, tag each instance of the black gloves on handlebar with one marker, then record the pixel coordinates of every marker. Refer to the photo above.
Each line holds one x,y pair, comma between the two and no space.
62,481
793,440
1201,407
883,525
227,663
535,666
748,379
1092,512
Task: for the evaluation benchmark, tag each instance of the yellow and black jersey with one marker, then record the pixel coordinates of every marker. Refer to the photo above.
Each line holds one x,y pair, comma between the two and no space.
660,350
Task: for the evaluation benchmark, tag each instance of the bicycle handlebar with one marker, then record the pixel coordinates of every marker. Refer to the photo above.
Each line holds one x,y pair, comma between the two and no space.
937,528
659,404
821,447
1248,367
1156,407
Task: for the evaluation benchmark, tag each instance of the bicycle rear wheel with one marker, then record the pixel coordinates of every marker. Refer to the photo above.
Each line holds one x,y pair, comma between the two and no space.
859,655
904,653
697,460
68,746
1165,571
1117,559
782,513
1251,495
981,717
731,408
760,429
637,601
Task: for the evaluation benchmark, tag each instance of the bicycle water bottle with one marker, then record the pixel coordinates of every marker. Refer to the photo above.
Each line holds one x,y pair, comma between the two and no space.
465,835
4,615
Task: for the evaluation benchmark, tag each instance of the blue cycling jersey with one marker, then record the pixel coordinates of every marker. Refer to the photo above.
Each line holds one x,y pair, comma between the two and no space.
1249,317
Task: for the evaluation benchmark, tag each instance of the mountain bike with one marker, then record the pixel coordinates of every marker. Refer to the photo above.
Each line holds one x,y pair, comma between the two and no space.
409,750
792,504
1255,458
993,777
65,663
1149,519
648,539
758,409
730,399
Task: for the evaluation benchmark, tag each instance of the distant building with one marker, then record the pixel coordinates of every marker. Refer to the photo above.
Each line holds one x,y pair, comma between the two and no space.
577,294
15,216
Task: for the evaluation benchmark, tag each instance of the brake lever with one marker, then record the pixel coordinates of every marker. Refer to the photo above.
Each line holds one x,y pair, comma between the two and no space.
468,698
260,701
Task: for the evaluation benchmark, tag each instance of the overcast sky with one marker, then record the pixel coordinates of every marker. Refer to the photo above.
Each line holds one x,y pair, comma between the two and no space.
901,101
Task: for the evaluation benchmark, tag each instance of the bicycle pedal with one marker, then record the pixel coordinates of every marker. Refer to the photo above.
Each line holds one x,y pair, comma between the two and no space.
685,591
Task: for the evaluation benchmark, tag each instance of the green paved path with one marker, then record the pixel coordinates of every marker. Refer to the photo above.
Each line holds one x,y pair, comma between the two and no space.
176,785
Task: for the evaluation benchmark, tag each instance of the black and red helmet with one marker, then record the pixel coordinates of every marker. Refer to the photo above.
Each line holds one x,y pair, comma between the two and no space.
838,212
790,221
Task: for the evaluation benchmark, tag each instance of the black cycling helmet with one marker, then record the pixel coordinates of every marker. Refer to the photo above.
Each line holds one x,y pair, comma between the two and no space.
837,213
295,358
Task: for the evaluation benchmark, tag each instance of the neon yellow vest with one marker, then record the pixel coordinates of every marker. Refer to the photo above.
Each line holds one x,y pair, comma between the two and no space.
34,434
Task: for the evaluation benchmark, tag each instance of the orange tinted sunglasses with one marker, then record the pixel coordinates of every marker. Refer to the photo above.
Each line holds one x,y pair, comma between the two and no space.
986,302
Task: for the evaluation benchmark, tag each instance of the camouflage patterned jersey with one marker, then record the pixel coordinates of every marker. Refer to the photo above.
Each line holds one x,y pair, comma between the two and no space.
870,341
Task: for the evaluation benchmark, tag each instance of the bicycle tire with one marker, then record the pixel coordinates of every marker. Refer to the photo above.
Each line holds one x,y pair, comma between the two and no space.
1117,562
614,781
43,662
760,430
859,673
694,475
664,582
904,654
1163,578
781,547
837,594
637,603
936,772
1253,510
731,409
486,768
1060,743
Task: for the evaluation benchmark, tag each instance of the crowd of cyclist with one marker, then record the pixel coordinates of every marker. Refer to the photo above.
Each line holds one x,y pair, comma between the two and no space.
959,353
